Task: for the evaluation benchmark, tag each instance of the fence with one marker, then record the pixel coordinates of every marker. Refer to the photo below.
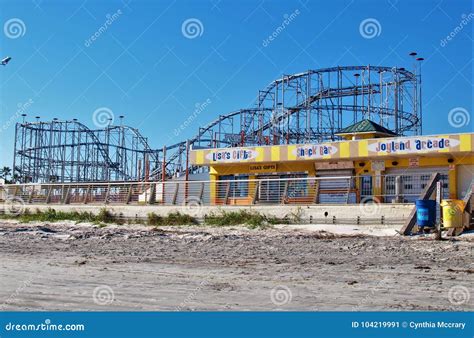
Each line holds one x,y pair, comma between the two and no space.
303,191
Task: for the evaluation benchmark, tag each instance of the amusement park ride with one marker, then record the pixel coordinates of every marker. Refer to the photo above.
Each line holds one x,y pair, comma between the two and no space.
308,107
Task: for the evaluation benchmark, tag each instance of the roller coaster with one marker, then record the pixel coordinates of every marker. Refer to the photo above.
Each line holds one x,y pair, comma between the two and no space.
308,107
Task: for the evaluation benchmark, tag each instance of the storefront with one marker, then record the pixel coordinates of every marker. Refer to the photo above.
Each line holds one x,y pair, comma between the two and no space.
370,164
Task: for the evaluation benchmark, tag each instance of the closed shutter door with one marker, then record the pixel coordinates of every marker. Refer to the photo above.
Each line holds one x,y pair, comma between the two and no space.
413,182
335,189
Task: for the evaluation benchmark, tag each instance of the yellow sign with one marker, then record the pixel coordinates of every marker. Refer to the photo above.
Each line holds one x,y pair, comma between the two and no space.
263,168
374,149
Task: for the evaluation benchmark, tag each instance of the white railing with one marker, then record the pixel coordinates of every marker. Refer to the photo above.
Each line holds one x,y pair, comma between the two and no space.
302,191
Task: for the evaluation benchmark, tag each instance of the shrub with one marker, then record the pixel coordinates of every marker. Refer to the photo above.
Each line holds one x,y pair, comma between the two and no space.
154,219
174,218
105,216
241,217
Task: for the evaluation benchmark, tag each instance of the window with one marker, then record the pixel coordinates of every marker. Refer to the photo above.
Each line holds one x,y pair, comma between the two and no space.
237,187
296,188
407,183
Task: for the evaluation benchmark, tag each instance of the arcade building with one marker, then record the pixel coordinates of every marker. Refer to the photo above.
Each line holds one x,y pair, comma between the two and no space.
369,153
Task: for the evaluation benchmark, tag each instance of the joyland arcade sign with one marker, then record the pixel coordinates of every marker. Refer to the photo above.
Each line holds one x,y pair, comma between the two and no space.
412,145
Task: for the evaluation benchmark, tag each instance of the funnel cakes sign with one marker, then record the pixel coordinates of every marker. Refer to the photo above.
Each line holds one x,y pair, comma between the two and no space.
412,145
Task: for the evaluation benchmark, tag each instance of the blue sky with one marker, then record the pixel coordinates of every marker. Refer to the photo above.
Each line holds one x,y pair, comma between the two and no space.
144,67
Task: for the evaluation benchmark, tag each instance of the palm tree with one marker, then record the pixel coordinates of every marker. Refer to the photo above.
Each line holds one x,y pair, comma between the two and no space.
15,178
5,173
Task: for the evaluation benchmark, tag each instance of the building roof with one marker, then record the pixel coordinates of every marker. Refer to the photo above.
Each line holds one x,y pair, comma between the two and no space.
366,126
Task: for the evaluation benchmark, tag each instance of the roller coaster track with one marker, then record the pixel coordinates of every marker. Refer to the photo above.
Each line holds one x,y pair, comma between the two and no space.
31,152
305,107
313,101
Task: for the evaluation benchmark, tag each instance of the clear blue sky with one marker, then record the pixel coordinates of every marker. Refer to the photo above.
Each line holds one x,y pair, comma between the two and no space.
142,65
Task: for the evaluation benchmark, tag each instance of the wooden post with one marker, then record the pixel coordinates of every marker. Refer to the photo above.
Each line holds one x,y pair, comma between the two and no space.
67,195
201,192
32,193
255,194
284,198
316,192
439,193
48,196
107,192
186,177
175,195
86,196
163,175
227,192
152,198
129,194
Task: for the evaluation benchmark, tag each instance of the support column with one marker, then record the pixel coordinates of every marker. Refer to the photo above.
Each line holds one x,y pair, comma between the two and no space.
213,177
452,181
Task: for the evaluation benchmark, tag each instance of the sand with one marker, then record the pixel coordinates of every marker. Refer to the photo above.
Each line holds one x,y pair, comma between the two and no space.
72,267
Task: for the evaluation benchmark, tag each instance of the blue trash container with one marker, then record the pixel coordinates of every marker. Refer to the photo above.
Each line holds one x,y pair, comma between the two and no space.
425,213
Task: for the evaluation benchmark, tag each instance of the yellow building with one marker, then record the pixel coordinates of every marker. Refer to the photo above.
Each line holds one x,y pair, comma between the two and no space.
372,155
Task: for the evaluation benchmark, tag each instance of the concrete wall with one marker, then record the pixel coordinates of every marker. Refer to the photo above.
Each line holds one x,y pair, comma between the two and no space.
393,214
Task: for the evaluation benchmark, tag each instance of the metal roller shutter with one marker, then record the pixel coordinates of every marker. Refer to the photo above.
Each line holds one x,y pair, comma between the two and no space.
413,181
336,190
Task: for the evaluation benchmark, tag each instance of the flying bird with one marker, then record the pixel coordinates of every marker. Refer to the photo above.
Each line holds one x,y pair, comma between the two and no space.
6,60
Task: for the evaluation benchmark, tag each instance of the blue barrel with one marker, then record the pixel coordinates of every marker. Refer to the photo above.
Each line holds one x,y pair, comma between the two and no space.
425,213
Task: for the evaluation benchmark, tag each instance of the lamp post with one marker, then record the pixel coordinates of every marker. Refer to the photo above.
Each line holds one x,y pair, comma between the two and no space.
420,103
417,95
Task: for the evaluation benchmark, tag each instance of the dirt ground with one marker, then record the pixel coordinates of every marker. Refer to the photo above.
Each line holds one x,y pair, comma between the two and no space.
64,266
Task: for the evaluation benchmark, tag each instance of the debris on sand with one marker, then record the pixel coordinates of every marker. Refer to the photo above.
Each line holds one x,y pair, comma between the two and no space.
157,268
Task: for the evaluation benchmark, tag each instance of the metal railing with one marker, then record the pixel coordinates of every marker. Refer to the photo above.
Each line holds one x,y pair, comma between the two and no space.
303,191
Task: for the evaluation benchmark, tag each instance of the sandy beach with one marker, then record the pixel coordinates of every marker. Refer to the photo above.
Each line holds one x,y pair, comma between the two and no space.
66,266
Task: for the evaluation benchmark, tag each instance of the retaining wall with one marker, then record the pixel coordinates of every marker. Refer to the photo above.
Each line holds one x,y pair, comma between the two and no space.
394,214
